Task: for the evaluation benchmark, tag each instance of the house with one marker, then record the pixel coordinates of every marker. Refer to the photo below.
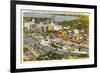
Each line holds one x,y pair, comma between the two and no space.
57,34
50,27
82,31
45,42
28,25
76,31
60,34
57,40
56,27
67,28
39,37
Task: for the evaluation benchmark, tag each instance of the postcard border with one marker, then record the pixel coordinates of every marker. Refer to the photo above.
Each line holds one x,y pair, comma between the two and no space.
13,35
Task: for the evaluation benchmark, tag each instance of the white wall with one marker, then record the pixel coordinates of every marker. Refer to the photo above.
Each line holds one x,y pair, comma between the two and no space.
5,36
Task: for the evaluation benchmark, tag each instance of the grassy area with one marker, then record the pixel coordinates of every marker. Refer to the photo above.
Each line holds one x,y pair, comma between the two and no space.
81,23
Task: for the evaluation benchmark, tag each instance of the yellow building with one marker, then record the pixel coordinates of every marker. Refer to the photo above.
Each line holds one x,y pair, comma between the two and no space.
50,27
64,34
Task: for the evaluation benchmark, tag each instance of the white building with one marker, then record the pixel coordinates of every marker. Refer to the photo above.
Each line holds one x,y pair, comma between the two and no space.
29,25
44,42
56,27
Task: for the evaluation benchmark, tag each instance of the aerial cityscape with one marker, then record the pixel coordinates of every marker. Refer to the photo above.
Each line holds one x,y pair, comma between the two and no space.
55,35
